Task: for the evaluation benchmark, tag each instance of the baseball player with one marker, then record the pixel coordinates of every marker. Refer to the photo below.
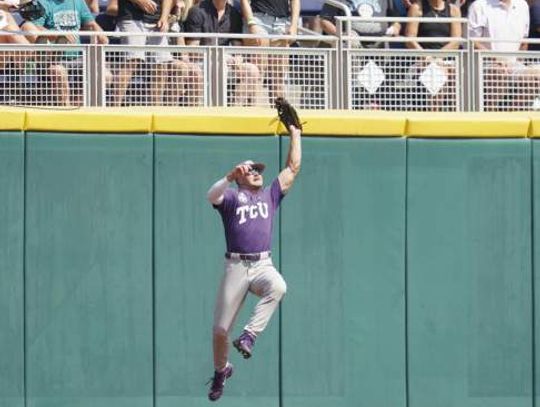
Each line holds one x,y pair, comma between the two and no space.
247,213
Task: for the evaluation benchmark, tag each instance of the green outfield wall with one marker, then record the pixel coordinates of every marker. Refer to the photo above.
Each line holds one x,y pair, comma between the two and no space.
411,260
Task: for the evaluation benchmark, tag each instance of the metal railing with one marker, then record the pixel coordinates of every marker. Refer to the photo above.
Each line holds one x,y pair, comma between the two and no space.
342,73
507,81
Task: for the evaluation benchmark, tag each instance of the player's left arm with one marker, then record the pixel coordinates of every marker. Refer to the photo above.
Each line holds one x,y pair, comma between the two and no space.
294,159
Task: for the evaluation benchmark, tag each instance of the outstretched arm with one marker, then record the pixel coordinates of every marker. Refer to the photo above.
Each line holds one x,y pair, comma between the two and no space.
294,159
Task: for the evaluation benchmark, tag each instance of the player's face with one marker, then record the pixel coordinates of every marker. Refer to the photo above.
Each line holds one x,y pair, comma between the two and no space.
252,179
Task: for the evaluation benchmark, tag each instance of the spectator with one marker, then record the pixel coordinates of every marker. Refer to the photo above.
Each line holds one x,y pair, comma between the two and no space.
534,32
63,15
366,9
213,16
271,17
7,23
436,9
218,16
362,97
433,9
140,17
491,19
11,63
190,84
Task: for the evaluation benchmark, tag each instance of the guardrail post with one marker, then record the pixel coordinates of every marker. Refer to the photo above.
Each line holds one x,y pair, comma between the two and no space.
342,71
95,94
333,78
468,73
215,75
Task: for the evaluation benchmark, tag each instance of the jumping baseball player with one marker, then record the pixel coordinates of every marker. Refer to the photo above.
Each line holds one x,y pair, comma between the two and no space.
247,213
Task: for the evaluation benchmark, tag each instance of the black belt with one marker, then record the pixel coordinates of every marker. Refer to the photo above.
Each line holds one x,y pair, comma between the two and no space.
248,256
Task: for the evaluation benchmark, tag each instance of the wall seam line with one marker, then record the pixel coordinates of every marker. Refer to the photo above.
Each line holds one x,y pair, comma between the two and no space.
533,292
24,226
406,272
280,330
153,272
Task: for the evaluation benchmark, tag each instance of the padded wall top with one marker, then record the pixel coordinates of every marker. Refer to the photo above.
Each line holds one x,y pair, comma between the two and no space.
262,121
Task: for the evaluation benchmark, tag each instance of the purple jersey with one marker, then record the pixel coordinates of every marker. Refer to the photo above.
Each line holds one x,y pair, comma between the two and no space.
248,217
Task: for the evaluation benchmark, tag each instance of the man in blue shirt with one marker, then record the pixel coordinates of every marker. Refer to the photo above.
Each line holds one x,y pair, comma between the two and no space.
64,15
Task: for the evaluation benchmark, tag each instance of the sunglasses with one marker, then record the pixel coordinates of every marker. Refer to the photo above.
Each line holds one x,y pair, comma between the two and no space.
253,171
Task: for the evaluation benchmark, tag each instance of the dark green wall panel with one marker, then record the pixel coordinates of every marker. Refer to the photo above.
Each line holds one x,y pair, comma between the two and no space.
343,240
469,273
456,284
536,252
11,269
89,270
189,248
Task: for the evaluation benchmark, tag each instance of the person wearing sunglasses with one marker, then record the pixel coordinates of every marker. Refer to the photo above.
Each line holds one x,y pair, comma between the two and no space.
247,213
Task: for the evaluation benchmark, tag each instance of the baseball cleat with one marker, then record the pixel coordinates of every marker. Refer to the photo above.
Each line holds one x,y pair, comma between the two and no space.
244,344
218,382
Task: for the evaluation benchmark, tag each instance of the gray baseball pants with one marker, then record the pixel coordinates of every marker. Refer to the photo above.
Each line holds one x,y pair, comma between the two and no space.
240,277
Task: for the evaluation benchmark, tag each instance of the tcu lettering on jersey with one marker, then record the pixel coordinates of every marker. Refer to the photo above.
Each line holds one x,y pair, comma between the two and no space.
253,211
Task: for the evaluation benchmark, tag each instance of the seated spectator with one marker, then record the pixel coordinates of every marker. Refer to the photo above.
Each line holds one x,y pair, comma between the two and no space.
11,63
140,17
190,84
490,19
433,8
63,15
366,9
438,100
271,17
534,32
361,96
218,16
8,23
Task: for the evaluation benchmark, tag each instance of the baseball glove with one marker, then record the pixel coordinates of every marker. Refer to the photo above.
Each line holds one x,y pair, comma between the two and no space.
287,114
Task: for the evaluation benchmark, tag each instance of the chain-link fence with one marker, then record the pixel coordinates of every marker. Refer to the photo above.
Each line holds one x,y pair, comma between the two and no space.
508,82
405,81
43,76
146,76
315,72
256,76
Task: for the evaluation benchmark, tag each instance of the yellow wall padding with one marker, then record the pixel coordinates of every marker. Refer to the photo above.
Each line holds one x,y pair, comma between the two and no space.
490,125
354,123
12,119
213,120
254,121
534,130
262,121
90,120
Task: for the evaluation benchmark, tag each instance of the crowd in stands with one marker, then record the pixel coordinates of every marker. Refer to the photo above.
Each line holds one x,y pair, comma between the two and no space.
177,78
